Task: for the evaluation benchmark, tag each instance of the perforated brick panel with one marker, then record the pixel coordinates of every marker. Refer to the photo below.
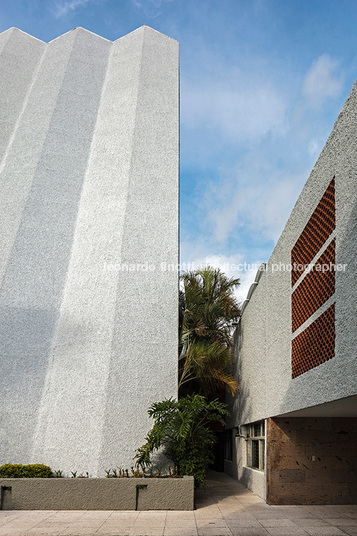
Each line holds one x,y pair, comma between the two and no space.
315,289
315,345
316,232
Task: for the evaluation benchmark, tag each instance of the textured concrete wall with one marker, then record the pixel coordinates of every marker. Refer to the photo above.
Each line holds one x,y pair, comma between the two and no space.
263,338
89,181
253,479
311,461
98,493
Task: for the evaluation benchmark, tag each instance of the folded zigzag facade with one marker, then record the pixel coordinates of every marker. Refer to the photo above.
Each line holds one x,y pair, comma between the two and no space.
89,211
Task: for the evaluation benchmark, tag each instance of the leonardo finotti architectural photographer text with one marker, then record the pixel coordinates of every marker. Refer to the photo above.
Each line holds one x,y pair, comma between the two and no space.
225,267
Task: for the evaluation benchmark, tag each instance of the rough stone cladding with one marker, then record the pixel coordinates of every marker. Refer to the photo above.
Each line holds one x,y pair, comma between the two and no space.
311,461
263,339
88,188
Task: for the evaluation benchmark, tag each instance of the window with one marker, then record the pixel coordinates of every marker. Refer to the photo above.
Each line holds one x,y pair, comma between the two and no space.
228,445
256,445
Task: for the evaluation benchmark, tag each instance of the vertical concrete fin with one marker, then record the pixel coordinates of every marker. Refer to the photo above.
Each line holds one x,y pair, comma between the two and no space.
20,55
24,150
142,333
94,158
81,352
4,37
45,170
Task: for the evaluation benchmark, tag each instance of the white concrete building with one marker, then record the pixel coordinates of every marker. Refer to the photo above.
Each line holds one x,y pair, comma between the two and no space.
292,437
89,211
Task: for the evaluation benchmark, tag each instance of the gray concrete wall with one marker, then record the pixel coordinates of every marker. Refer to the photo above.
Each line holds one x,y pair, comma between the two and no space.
89,181
237,468
264,336
97,493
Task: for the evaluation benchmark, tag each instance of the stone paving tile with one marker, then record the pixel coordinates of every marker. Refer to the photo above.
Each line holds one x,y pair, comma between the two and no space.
116,524
113,530
243,531
214,532
311,522
4,520
212,526
209,515
81,528
294,512
44,531
331,512
225,508
286,531
146,530
184,526
244,522
173,517
343,522
266,514
233,515
181,531
324,531
271,523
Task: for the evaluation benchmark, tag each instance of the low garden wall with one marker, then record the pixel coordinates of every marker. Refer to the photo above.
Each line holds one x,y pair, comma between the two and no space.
97,493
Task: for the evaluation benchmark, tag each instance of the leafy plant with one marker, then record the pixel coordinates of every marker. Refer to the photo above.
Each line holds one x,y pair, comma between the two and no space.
207,308
15,470
181,428
58,474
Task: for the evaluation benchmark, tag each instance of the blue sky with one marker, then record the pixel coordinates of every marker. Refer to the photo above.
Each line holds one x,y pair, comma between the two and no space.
262,83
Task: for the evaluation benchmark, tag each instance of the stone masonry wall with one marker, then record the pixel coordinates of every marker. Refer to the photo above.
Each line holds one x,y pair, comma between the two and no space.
311,461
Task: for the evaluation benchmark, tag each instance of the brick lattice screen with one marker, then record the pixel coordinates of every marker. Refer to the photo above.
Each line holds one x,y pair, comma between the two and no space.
315,345
316,232
315,289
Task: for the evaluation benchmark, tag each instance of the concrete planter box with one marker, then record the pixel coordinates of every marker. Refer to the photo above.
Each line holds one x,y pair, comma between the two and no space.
97,493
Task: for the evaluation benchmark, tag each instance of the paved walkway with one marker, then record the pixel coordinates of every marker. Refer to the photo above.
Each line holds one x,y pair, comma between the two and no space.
225,509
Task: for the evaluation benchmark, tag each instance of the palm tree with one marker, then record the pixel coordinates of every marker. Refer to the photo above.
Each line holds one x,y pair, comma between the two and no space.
209,308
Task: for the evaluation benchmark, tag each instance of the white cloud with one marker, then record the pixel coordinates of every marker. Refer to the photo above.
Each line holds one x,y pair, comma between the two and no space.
234,107
314,147
254,195
246,279
322,81
62,9
234,266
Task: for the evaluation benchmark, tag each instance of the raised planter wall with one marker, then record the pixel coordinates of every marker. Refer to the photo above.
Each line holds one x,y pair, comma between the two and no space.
97,493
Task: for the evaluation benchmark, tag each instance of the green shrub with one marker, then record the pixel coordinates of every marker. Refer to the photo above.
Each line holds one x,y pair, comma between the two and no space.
17,470
181,427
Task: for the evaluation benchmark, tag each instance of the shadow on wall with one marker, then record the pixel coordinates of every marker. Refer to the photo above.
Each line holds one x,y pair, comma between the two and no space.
238,405
25,342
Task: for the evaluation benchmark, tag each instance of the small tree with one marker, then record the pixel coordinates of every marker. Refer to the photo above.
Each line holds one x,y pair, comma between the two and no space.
180,427
209,308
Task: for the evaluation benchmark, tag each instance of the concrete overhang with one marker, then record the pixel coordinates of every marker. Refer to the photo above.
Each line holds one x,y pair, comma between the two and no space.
344,407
